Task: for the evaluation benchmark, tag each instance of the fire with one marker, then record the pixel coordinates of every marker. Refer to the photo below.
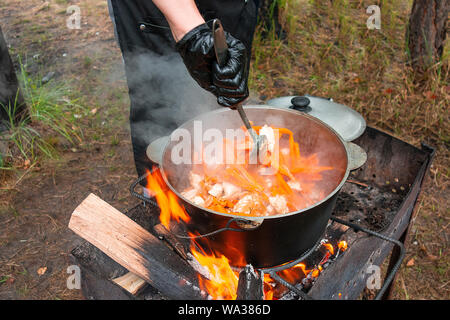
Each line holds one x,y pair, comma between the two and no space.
342,245
288,181
166,199
223,281
290,167
299,271
329,247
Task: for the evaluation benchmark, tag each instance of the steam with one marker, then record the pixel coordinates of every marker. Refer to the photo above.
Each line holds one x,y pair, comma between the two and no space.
164,95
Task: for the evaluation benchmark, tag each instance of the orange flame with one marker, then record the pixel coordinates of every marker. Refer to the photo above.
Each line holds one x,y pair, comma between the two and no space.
329,247
289,181
166,199
342,245
223,281
293,275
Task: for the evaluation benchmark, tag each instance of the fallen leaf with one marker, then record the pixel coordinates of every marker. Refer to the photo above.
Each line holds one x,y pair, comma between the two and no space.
410,263
10,280
432,257
41,271
430,95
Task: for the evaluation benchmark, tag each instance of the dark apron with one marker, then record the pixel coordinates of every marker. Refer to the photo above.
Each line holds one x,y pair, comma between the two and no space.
162,94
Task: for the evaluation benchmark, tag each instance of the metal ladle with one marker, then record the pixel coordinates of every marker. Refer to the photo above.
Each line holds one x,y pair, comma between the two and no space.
221,49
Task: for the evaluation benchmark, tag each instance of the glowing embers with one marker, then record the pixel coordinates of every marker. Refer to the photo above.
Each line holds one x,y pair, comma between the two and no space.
301,275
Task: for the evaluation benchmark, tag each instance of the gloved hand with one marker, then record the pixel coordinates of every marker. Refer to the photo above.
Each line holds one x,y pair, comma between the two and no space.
229,82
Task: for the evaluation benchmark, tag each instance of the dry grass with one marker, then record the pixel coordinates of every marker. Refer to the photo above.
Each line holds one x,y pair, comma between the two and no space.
329,52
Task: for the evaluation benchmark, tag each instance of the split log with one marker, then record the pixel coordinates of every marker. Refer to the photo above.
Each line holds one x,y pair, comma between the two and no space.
250,286
133,283
172,241
135,249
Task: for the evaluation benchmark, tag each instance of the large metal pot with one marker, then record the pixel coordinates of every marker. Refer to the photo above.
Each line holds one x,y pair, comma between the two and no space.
272,240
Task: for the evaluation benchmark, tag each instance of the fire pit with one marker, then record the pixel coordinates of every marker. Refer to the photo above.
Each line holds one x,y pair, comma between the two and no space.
372,216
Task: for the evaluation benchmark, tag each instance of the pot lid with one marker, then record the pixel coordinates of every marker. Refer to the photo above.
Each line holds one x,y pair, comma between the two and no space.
344,120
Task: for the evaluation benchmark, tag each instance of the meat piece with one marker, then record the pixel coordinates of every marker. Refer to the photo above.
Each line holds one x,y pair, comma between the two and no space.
295,185
269,210
230,190
195,179
216,190
197,200
270,135
279,203
189,194
250,204
244,204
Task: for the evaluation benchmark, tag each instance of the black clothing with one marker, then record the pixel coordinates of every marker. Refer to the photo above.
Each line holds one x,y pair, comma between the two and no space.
162,94
228,80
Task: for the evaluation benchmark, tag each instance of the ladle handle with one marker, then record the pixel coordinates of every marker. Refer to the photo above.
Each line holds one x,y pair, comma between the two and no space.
221,51
220,43
246,122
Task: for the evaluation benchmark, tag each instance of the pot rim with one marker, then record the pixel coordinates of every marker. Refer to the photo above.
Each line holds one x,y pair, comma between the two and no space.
257,218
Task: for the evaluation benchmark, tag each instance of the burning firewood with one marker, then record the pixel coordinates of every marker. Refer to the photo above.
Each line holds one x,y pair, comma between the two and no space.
134,248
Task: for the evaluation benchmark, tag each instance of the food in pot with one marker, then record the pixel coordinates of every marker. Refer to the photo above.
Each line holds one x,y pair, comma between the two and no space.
286,182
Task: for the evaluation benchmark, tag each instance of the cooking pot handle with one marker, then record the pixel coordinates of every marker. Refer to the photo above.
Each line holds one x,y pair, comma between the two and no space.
243,224
156,148
356,155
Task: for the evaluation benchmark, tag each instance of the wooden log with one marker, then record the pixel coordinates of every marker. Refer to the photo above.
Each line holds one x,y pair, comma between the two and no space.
135,249
172,241
131,282
250,286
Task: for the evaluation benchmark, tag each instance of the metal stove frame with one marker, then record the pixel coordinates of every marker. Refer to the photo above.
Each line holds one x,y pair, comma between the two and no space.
298,291
398,251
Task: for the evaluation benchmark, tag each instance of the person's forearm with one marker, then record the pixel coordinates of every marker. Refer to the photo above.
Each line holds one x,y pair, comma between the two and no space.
182,15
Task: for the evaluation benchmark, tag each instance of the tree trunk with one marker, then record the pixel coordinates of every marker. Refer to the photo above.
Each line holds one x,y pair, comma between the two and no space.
426,32
10,96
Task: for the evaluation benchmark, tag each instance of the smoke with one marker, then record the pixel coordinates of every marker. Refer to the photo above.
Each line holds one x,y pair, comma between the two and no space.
163,94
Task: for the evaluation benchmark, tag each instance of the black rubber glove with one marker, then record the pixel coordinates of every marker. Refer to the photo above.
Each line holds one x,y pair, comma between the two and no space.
229,82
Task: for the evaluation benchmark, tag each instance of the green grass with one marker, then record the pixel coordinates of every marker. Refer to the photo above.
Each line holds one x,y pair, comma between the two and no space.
26,139
52,116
